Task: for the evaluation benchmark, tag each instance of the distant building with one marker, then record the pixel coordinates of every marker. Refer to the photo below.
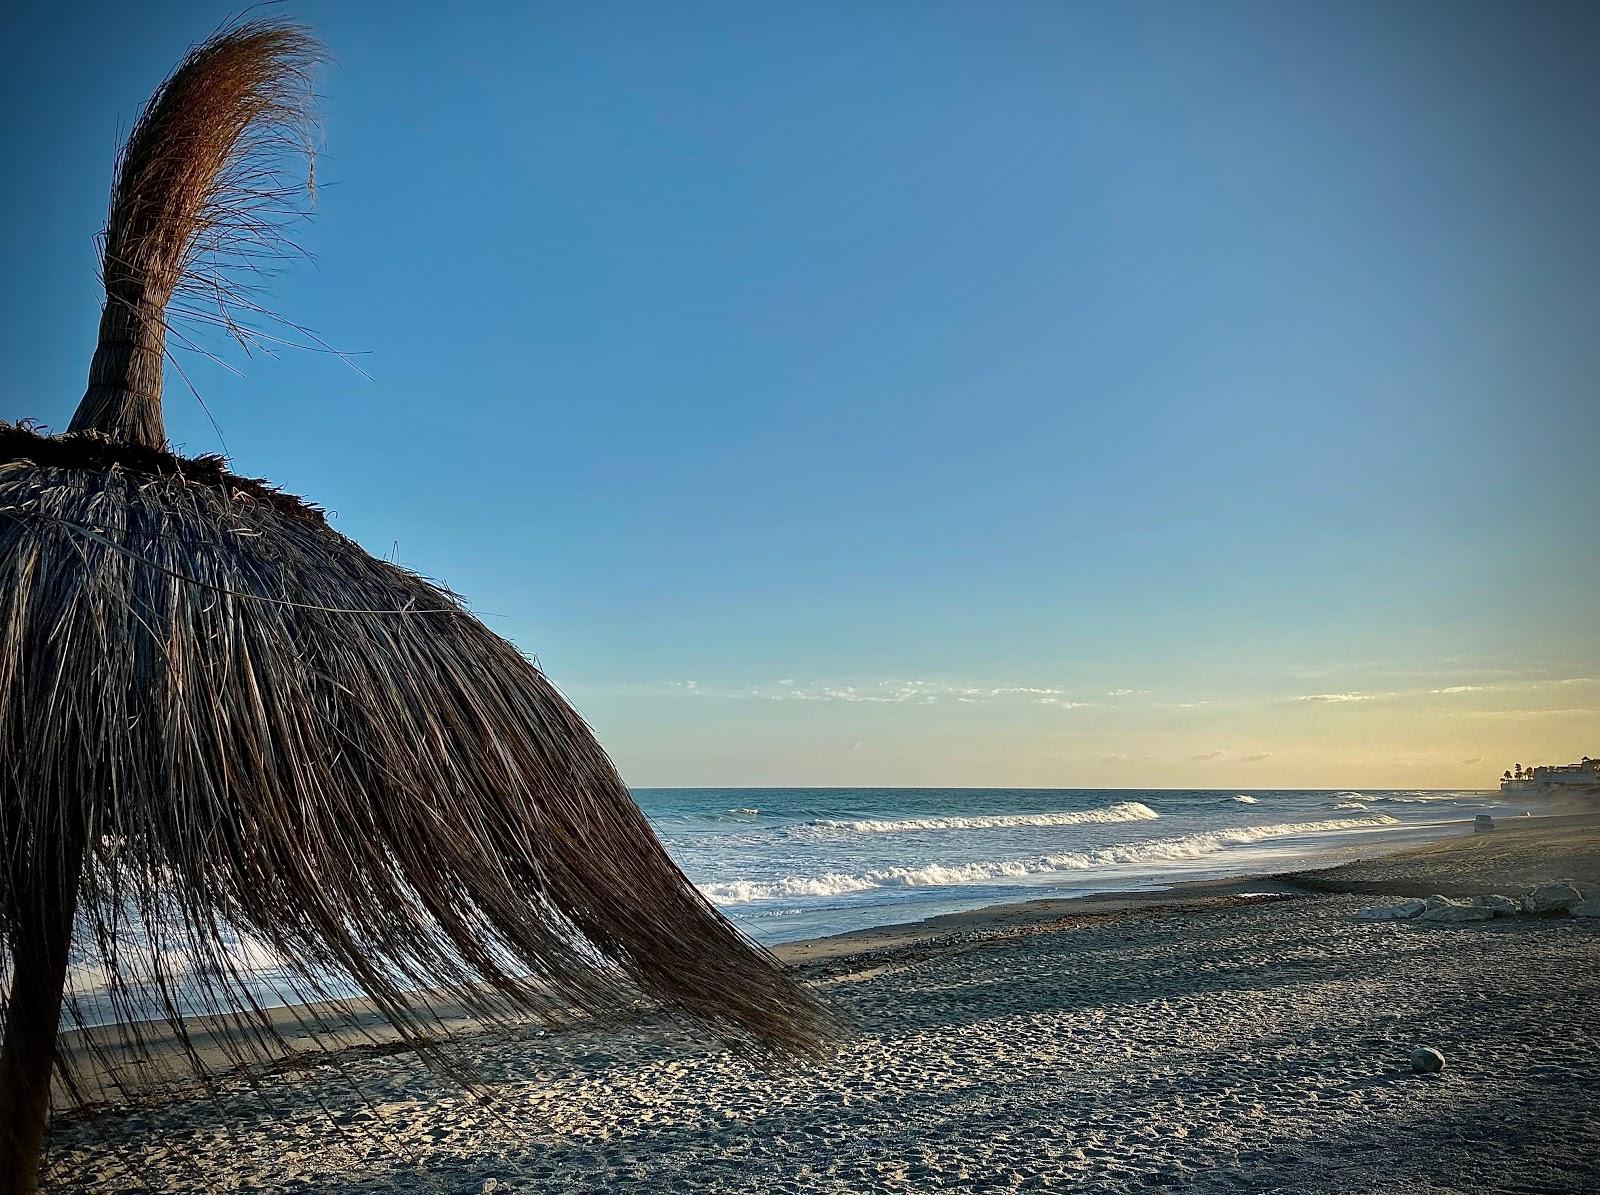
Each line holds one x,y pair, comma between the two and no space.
1582,777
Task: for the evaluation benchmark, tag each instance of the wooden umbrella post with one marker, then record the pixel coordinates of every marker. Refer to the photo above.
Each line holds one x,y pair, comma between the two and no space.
39,949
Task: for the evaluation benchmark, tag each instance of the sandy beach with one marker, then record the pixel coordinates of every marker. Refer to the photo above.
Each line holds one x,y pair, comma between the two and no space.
1248,1035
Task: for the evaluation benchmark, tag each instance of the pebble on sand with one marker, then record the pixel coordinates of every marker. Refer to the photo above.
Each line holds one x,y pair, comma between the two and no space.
1426,1061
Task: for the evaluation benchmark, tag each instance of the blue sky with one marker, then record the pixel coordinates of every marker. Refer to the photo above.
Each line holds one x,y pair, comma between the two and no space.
1055,394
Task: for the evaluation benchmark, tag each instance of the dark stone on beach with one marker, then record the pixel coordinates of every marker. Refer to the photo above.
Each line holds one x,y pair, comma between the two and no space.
1426,1061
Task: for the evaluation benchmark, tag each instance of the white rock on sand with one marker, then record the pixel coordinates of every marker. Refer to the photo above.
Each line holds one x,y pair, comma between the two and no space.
1501,906
1400,912
1547,898
1442,908
1551,898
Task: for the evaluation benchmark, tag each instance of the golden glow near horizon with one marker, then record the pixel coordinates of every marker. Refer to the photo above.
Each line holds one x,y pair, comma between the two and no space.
1459,733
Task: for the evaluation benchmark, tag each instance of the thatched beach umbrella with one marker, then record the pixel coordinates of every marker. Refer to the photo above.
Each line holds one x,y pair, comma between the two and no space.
222,720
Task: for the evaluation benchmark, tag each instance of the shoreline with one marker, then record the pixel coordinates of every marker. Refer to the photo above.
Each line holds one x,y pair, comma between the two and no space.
313,1030
1175,893
1248,1033
846,895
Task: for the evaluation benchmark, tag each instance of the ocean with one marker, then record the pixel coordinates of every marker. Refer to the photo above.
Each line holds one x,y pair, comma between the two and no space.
795,863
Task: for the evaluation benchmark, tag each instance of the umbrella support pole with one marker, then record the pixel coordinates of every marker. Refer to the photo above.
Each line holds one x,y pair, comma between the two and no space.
33,1016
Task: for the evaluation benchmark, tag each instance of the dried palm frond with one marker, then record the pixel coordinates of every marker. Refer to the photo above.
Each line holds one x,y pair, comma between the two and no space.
200,202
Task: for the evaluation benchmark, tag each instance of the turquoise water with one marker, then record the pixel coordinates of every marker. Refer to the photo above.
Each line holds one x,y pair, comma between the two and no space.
795,863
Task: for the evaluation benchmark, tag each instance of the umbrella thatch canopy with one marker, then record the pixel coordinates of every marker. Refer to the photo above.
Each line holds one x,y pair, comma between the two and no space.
222,720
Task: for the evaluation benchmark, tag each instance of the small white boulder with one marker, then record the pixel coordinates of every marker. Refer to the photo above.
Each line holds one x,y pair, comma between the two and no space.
1452,913
1501,906
1551,898
1404,911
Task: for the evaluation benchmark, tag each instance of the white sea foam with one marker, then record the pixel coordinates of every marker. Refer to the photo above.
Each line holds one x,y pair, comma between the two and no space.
831,883
745,811
1127,811
1350,805
1245,799
1191,846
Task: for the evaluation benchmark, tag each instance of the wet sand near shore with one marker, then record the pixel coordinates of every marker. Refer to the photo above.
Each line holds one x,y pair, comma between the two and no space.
1244,1035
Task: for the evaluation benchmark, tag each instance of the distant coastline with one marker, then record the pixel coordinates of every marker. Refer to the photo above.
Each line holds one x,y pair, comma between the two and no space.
1579,780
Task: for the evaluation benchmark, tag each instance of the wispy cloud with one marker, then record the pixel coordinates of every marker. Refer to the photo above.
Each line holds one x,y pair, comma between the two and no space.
924,692
1519,686
1208,756
1257,758
673,688
916,692
1447,667
1509,686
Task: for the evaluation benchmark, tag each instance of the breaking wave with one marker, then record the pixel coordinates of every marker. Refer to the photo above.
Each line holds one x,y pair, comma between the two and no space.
1245,799
1191,846
1127,811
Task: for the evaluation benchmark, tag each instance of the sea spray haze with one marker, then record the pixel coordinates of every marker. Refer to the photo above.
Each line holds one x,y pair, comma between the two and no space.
224,724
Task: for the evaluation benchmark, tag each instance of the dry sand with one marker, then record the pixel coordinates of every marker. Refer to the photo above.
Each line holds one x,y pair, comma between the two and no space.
1247,1036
